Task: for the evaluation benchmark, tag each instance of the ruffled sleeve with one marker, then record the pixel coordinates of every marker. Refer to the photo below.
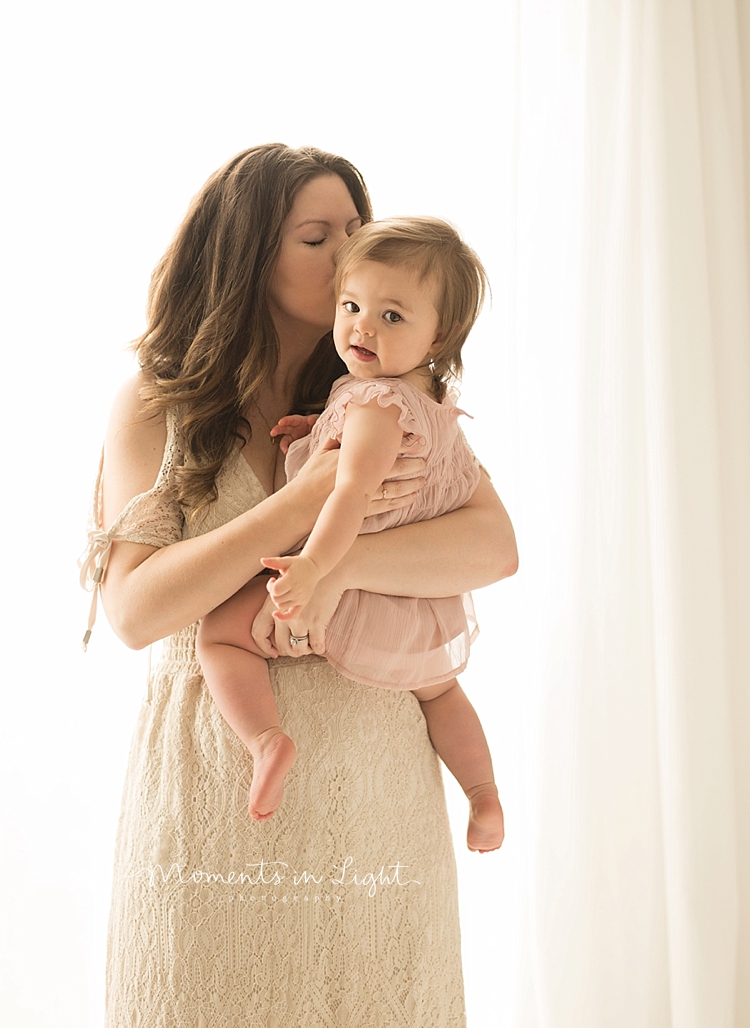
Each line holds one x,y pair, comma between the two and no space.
154,518
388,392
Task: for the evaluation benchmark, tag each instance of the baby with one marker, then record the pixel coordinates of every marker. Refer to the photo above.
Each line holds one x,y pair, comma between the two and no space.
408,291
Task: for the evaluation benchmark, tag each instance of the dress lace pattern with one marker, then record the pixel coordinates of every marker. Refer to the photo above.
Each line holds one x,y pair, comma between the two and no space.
339,912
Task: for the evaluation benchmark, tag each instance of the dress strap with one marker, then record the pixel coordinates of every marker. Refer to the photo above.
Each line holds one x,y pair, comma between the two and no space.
93,560
93,563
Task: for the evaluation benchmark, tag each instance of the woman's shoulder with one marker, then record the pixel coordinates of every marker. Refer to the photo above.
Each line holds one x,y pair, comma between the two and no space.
128,414
134,448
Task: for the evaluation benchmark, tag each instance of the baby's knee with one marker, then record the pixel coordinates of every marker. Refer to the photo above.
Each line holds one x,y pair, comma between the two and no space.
211,630
231,622
203,637
434,692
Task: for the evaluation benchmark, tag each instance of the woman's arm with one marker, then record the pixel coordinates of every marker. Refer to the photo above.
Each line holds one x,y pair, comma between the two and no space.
466,549
149,593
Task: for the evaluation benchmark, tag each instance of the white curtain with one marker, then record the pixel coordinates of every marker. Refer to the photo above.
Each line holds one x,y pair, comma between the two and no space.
630,367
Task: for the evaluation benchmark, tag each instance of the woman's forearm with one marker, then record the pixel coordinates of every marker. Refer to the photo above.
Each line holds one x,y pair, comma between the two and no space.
466,549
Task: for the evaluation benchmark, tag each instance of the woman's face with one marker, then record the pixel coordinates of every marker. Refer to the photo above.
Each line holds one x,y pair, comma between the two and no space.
301,293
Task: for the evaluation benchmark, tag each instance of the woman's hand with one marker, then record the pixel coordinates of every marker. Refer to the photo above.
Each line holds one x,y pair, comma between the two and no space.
274,637
319,474
393,495
312,620
264,629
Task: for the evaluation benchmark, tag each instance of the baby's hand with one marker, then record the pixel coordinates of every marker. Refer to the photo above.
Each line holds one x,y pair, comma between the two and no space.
294,586
293,427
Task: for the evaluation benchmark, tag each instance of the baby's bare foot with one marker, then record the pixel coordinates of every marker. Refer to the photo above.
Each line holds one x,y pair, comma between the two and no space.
486,828
273,755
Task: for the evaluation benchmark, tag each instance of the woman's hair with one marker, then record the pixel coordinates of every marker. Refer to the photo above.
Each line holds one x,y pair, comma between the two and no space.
211,344
434,249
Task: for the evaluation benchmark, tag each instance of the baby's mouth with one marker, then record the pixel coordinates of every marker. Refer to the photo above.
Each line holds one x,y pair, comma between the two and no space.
363,353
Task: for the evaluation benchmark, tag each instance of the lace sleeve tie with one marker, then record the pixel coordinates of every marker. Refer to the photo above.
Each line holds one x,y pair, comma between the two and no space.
93,563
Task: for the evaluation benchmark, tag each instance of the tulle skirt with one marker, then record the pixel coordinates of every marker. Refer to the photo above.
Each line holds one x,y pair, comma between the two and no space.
399,642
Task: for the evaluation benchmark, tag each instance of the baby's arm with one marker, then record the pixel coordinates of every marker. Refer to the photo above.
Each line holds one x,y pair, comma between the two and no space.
369,445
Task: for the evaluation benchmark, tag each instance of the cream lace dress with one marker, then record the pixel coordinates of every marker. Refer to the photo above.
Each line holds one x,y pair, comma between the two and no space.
340,911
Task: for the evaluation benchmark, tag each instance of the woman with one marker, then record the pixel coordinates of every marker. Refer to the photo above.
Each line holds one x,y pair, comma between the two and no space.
341,910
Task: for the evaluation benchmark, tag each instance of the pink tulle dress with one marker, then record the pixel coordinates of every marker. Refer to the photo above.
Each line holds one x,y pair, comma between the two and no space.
402,642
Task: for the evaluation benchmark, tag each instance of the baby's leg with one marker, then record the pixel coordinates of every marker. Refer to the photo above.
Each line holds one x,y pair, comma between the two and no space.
457,735
237,677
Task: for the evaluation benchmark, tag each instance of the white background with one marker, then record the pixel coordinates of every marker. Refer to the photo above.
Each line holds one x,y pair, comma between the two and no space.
115,116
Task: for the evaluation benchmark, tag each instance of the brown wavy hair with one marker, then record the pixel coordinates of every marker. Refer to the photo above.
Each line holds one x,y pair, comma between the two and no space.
435,250
211,344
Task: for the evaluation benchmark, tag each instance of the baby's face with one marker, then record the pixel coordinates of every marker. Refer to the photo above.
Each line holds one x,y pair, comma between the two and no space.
386,321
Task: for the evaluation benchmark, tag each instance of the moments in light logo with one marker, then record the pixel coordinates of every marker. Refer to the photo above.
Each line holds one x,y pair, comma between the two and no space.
276,873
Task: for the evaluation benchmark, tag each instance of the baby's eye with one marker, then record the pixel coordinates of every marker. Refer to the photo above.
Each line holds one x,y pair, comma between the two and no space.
393,317
351,307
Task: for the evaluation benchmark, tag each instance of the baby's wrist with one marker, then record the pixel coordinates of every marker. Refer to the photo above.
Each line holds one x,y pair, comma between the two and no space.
313,566
340,578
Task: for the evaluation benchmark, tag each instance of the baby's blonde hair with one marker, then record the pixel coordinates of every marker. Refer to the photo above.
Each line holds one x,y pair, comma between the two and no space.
436,251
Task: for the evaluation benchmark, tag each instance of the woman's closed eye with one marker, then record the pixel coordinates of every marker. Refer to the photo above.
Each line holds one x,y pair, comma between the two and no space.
315,242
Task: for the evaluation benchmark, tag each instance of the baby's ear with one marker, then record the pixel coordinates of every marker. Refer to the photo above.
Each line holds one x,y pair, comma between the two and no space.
437,344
